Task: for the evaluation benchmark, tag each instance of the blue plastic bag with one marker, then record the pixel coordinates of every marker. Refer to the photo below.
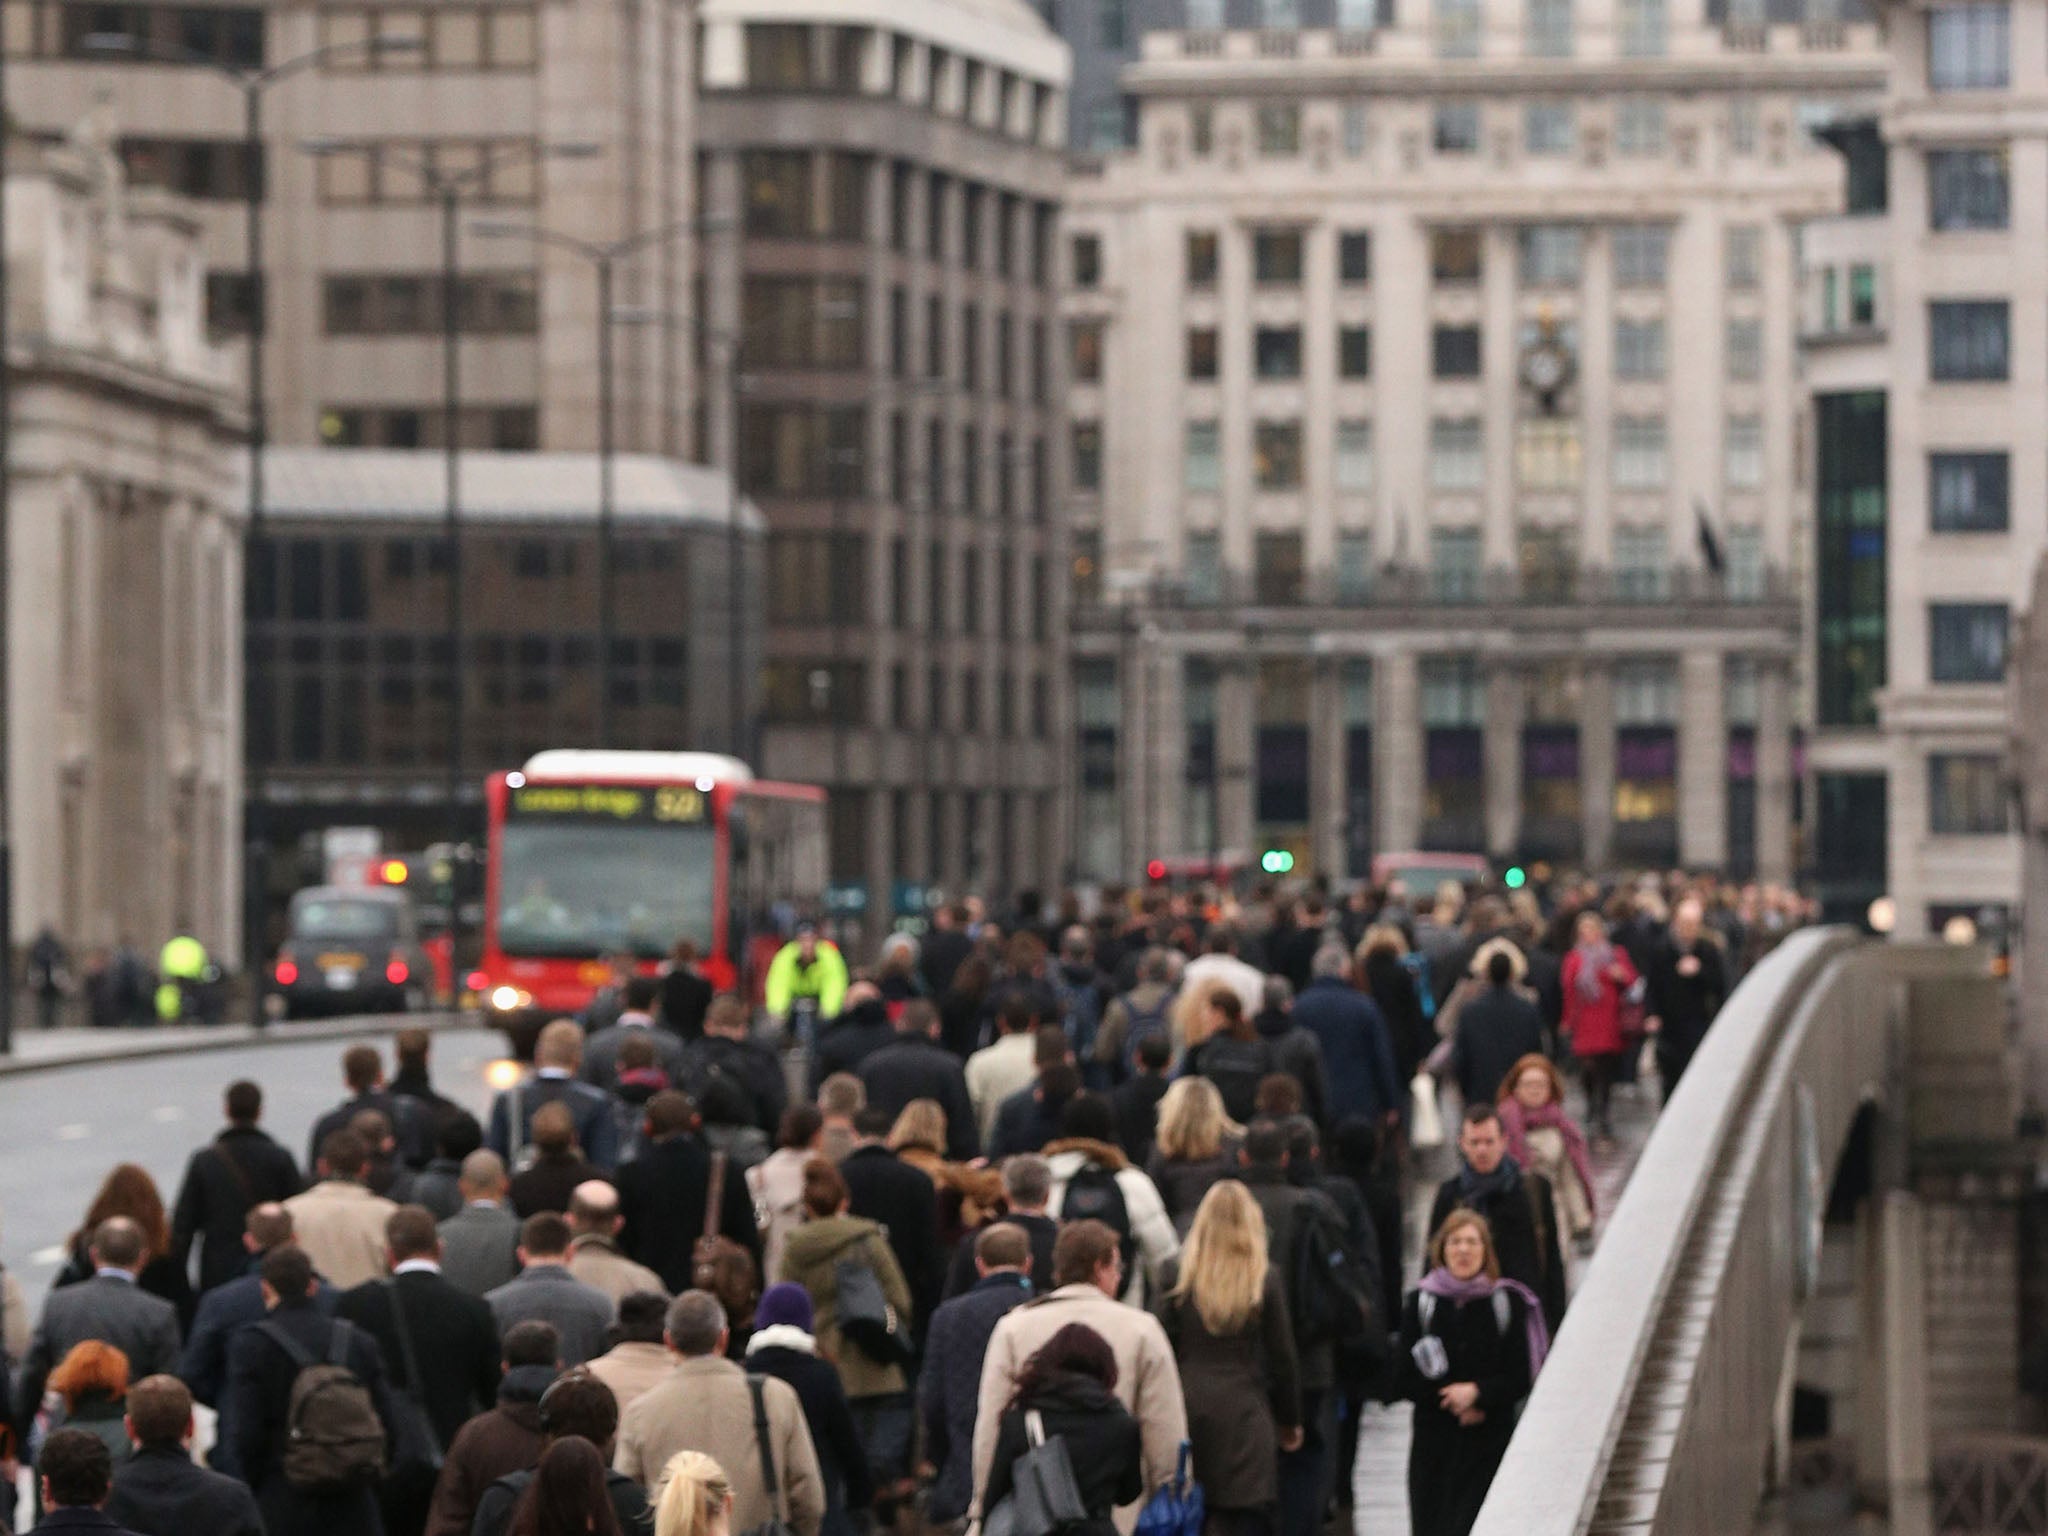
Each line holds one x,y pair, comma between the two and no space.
1178,1508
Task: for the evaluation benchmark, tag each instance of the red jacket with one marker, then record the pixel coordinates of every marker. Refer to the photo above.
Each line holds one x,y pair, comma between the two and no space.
1594,1028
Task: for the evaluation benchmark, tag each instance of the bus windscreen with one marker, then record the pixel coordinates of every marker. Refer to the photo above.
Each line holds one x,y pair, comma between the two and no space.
594,870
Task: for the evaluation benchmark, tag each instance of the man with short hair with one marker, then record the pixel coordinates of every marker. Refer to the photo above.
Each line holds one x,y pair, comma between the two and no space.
595,1257
239,1168
387,1174
506,1439
1135,1102
1516,1203
582,1407
1027,1194
1145,1012
955,1343
1030,1117
412,1083
438,1186
339,1222
77,1474
861,1029
639,1360
661,1195
1088,1276
902,1198
841,1097
159,1491
544,1291
707,1404
1004,1067
636,1019
362,1071
916,1066
109,1307
1358,1051
479,1243
558,1165
727,1049
557,1058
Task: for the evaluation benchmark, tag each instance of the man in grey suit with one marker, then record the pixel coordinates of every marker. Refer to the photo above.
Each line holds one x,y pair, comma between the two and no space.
479,1243
601,1050
108,1307
545,1292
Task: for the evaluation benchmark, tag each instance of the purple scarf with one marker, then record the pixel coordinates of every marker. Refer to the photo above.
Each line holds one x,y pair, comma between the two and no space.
1517,1120
1445,1286
1594,959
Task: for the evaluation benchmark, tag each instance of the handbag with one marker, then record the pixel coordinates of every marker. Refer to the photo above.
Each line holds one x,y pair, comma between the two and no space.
1178,1508
1425,1120
865,1317
1046,1496
414,1440
775,1524
720,1265
1630,1012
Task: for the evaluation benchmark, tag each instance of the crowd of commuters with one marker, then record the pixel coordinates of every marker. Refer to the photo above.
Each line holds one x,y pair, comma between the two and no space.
1132,1184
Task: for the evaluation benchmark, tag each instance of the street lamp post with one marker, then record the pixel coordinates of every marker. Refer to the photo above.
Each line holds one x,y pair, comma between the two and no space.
604,256
449,188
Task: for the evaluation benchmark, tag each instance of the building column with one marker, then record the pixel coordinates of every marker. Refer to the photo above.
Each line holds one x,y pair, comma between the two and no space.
1506,690
1327,791
1891,1412
1596,762
1702,762
1397,767
1773,771
1135,687
1166,754
1236,734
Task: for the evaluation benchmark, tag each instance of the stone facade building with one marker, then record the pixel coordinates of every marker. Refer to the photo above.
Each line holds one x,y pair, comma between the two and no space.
123,562
1435,473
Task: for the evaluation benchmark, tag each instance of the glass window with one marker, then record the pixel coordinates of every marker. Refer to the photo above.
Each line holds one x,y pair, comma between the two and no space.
1357,15
1549,128
1862,295
1456,24
1454,564
1354,565
1202,459
1354,258
1279,129
1548,454
1638,349
1280,13
1745,256
1276,351
1087,257
1966,794
1642,27
1969,47
1454,256
1546,561
1454,351
1966,189
1457,128
1111,24
1968,492
1356,128
1966,642
1744,126
1204,15
1830,299
1084,339
1549,255
1742,574
1642,564
1276,256
1547,28
1201,258
1457,455
1968,339
1088,456
1743,453
1641,453
1639,126
1641,254
1109,127
1202,352
1201,131
1354,455
1745,349
1276,455
1202,567
1277,571
1354,351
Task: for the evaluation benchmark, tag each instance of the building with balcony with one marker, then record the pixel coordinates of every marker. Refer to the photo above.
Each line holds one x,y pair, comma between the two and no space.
1434,467
881,182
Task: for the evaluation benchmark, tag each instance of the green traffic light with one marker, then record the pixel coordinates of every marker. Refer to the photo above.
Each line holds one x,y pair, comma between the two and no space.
1516,878
1276,861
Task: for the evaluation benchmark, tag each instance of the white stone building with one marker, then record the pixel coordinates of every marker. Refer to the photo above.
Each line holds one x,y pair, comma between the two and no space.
123,563
1407,362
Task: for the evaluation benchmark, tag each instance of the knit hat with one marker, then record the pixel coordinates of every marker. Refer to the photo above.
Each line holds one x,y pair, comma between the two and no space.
787,1304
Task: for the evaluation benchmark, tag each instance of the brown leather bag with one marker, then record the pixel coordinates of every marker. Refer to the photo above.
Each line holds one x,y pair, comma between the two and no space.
720,1265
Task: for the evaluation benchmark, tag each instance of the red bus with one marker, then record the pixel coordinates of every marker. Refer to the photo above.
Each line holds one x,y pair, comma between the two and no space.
596,854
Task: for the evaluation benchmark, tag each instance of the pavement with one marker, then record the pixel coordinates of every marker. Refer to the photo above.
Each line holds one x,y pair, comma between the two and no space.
1379,1478
37,1050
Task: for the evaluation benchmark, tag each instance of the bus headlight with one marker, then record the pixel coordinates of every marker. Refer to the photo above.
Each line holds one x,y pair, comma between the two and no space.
505,999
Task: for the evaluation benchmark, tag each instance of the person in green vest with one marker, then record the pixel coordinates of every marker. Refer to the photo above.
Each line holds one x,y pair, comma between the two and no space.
183,960
807,976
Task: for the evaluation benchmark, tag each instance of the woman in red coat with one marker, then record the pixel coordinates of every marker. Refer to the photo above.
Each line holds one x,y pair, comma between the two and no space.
1596,978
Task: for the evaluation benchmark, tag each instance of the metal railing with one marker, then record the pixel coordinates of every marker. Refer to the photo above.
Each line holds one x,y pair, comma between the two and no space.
1655,1412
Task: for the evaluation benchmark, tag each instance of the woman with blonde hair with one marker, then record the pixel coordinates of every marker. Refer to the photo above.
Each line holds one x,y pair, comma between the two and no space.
696,1497
1196,1145
968,1196
1226,1315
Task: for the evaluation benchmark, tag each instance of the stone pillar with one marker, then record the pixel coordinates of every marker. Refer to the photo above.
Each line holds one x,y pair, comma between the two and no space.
1506,691
1596,762
1236,733
1134,748
1327,797
1892,1432
1702,762
722,258
1166,750
1773,771
1397,769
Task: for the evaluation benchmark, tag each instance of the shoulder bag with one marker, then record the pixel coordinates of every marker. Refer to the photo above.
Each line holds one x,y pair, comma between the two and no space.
776,1524
414,1440
720,1265
1047,1496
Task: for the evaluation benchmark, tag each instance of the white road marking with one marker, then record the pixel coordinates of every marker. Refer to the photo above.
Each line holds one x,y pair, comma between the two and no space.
77,1131
165,1114
43,1258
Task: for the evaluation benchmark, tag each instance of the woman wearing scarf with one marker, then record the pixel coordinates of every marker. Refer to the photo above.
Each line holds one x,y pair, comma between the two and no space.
784,1346
1543,1139
1596,977
1471,1344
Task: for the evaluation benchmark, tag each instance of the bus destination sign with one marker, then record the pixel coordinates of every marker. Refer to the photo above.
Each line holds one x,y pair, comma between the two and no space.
669,804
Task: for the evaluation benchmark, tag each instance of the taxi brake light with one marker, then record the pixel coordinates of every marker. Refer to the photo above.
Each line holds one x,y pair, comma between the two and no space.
287,973
396,972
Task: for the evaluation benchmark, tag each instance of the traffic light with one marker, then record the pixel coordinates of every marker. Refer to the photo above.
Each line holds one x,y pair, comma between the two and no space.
1276,861
1156,871
1515,878
393,872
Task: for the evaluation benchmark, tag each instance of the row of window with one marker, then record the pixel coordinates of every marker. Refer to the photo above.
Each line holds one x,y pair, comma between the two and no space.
822,578
411,304
499,36
321,581
407,171
832,691
819,451
509,428
230,35
978,370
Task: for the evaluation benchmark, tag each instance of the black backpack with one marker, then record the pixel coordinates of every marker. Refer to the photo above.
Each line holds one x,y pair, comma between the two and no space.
1237,1067
1093,1195
1332,1293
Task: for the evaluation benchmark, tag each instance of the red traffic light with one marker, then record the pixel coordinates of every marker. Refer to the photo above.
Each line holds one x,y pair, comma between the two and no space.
1156,870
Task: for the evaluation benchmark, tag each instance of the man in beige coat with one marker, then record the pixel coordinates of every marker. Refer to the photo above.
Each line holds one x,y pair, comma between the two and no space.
339,1222
639,1362
594,1256
1087,1272
705,1405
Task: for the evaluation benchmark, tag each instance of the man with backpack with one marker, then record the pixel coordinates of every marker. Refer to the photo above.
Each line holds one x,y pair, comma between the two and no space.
1093,1181
310,1408
1082,993
1143,1013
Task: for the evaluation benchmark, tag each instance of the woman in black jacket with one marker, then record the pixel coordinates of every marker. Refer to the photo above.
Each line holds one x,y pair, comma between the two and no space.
784,1346
1392,986
1070,1385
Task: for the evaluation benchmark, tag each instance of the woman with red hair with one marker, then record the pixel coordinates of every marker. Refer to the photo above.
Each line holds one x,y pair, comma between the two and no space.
88,1390
1543,1139
129,1191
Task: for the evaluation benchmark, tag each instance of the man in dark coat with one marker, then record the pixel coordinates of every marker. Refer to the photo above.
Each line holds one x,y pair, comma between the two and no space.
1296,1051
110,1307
661,1196
601,1050
159,1491
955,1342
438,1186
557,1058
729,1050
942,951
1030,1117
413,1084
453,1339
505,1440
1358,1055
915,1066
1688,982
260,1377
1497,1027
362,1071
861,1029
582,1407
242,1167
1517,1205
1136,1102
902,1199
685,993
77,1472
